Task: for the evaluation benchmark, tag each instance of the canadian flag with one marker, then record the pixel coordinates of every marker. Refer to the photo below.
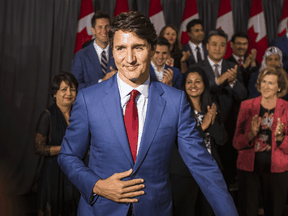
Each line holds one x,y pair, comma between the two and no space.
257,30
284,20
190,13
121,6
156,15
225,22
84,32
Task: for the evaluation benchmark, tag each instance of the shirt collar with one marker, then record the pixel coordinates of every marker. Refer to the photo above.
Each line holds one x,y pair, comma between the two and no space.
125,89
212,63
99,49
237,58
193,46
155,68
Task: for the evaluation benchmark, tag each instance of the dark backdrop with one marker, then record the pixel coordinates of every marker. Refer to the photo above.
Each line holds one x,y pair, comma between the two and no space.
37,41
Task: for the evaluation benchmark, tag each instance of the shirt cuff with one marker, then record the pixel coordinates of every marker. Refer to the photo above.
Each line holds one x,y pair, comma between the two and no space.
232,85
100,80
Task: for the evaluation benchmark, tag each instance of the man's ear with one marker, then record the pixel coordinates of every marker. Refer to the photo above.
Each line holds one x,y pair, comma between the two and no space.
93,30
152,50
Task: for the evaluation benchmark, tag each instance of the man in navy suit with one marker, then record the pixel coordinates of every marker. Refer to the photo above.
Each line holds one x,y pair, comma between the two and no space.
195,50
131,122
228,90
282,44
247,64
159,70
95,63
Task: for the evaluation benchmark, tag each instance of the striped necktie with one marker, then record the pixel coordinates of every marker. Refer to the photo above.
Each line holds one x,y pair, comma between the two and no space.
103,63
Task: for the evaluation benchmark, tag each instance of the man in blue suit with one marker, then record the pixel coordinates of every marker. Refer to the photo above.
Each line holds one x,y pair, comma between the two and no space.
131,122
282,44
95,62
159,70
195,50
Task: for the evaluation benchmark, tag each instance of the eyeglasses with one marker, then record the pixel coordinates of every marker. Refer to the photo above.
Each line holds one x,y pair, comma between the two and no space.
241,44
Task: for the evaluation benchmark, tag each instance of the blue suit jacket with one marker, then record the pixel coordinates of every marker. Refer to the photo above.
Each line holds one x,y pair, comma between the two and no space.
86,66
177,76
97,117
282,44
191,59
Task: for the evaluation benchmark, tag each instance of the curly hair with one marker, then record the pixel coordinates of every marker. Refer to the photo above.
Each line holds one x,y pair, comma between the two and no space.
135,22
282,79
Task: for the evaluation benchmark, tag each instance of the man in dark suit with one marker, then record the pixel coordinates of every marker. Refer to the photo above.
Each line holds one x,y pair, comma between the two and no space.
131,122
159,70
282,44
195,50
95,62
227,88
248,64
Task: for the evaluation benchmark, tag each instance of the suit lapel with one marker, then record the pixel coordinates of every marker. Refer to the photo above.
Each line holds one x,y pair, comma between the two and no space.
92,55
155,109
208,69
112,105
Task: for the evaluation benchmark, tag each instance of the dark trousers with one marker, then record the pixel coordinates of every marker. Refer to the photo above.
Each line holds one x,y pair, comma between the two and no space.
273,188
188,199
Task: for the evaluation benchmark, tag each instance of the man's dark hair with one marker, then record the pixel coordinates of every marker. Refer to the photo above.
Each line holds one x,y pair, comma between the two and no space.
135,22
67,77
240,34
99,15
163,42
193,23
217,32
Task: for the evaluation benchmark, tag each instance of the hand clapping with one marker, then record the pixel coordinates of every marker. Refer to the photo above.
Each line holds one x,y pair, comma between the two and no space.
279,136
209,118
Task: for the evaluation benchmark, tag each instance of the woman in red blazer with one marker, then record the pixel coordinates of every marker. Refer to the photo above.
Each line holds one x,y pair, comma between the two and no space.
261,137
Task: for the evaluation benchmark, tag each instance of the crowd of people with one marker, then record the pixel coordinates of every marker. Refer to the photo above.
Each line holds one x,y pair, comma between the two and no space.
178,148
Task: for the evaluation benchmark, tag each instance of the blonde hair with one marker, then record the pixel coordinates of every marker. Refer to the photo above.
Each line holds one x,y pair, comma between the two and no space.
282,79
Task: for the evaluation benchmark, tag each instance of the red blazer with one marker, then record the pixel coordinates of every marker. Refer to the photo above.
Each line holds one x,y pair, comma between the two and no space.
279,155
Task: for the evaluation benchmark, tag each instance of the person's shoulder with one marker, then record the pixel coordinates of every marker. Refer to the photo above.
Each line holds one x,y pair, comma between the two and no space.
228,62
84,50
279,41
251,102
186,47
99,88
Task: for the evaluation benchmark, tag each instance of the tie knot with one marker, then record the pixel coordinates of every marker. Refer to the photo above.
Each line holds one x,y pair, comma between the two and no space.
134,94
197,48
103,53
216,66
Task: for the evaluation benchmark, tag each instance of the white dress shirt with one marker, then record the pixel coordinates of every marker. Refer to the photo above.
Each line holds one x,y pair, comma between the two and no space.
159,74
219,69
237,58
194,50
99,51
141,102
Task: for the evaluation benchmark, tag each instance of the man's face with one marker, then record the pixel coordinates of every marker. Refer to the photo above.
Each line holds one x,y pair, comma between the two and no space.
132,57
160,56
196,34
100,30
239,46
216,47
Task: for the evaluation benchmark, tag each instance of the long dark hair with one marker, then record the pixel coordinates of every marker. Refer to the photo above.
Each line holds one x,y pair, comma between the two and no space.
177,49
205,98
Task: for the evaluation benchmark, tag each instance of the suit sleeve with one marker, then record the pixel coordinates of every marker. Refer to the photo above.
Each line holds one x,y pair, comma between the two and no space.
177,78
74,148
201,164
243,127
284,145
77,71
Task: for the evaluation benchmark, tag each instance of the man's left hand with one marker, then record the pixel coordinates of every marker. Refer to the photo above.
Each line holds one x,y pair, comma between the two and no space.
110,74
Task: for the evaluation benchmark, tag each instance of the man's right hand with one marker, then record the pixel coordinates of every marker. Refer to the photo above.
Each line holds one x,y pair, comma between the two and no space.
221,79
110,74
115,189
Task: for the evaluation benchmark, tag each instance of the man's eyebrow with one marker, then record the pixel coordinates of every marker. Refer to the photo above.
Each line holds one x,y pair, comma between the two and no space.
137,45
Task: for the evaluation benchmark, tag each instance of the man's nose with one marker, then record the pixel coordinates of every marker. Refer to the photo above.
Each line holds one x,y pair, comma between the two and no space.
130,57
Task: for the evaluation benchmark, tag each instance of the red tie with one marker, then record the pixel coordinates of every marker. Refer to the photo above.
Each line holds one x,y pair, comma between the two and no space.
131,123
240,61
